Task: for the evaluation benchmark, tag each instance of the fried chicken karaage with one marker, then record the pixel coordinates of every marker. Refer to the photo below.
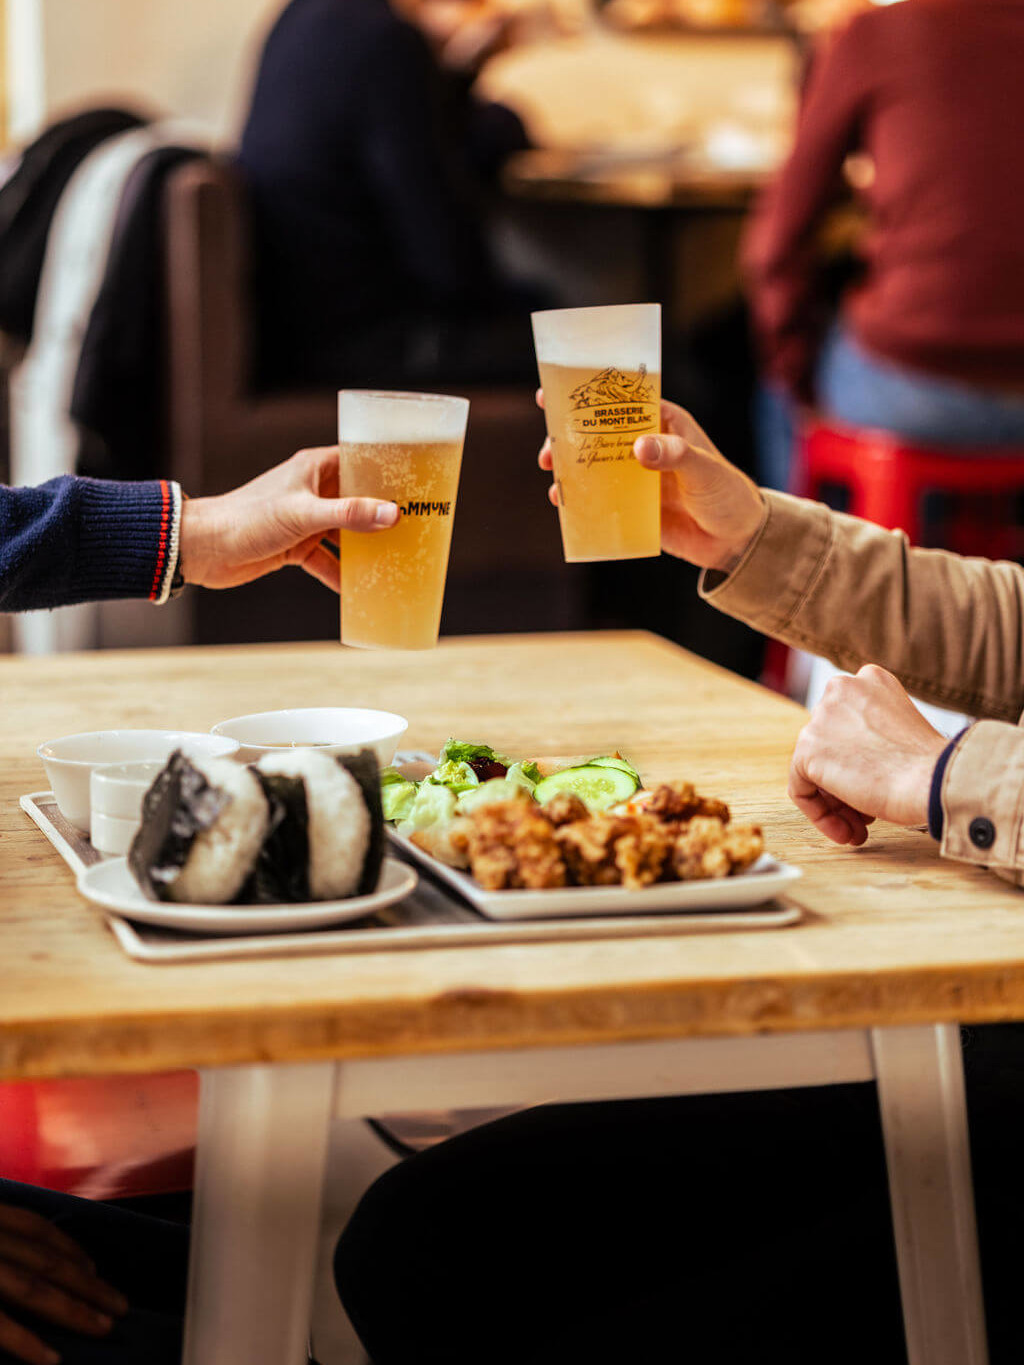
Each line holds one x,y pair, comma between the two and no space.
511,844
676,835
707,847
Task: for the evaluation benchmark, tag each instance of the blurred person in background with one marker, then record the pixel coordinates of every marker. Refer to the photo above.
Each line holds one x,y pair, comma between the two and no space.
928,339
367,159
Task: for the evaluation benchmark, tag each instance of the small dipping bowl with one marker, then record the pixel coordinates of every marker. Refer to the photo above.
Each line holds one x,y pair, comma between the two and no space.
110,834
335,729
115,802
70,760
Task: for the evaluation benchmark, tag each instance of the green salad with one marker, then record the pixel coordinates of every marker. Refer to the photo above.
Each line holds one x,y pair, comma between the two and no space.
470,775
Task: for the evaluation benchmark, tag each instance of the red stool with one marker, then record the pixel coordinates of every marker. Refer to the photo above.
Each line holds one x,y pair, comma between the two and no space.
888,478
107,1137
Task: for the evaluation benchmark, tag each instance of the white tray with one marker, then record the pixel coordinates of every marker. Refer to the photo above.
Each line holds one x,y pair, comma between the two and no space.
431,917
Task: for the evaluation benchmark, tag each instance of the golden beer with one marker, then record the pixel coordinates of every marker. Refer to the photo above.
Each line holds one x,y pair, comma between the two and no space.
392,581
609,506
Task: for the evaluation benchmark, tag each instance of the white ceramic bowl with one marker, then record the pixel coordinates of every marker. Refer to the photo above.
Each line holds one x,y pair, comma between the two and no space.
111,833
335,729
69,761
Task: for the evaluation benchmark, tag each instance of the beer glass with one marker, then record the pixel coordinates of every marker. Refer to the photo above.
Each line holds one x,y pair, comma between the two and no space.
600,369
406,447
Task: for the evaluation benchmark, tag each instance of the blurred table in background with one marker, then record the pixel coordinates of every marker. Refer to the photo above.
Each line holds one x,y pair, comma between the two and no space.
666,190
665,181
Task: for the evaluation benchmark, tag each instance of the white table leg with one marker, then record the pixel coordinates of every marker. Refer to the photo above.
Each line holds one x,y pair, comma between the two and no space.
924,1120
261,1155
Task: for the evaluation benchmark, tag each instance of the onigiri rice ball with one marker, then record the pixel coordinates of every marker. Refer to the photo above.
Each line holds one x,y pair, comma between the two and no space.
203,824
339,823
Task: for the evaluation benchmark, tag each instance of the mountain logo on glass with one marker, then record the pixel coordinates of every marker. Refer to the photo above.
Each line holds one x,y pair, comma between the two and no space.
613,386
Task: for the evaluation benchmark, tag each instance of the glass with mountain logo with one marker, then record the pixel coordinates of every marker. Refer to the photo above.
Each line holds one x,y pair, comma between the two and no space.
600,369
406,447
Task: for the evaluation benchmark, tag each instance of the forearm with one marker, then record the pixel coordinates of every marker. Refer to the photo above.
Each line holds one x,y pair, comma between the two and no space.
85,540
951,629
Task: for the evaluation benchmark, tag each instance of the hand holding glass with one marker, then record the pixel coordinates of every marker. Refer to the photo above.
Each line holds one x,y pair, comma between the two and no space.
406,447
600,369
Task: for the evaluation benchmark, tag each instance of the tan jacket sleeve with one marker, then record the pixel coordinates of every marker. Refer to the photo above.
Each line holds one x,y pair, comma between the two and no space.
983,799
951,629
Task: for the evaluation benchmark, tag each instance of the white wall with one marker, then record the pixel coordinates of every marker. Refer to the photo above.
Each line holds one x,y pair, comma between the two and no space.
190,58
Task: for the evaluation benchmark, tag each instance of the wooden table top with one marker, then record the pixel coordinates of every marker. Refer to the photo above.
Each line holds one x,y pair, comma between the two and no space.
891,934
667,182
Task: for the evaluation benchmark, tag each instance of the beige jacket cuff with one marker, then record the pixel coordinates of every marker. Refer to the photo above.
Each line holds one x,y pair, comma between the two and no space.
982,798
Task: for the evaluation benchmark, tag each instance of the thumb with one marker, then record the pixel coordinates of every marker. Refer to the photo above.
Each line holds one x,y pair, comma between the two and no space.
666,452
703,473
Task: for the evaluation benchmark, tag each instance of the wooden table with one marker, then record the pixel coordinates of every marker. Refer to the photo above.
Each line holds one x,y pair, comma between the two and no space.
894,949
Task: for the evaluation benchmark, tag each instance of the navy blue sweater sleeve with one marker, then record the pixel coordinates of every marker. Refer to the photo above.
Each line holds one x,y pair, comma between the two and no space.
85,540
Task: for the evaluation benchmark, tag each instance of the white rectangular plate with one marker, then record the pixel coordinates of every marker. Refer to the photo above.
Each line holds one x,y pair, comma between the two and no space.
767,879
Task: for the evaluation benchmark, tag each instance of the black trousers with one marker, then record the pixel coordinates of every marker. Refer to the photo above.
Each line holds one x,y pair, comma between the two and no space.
145,1258
733,1228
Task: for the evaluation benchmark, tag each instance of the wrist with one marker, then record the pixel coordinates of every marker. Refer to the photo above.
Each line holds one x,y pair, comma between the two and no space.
733,554
194,539
916,784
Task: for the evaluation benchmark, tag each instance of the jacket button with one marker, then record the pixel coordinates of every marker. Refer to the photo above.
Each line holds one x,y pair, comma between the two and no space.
982,832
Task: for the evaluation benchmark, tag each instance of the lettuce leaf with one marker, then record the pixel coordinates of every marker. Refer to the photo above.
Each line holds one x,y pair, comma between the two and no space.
525,775
454,774
433,807
494,789
458,751
396,798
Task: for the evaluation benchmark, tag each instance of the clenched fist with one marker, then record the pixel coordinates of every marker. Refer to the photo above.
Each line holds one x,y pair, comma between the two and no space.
866,753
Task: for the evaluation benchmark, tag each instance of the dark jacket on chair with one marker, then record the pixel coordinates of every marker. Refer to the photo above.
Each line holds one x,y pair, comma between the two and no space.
29,199
118,396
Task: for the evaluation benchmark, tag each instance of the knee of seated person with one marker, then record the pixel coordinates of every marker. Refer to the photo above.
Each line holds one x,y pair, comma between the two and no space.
374,1247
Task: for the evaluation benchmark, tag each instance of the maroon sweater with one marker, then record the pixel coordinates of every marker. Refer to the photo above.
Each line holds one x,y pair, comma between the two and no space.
933,91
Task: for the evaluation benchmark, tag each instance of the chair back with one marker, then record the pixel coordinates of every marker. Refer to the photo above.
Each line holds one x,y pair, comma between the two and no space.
210,330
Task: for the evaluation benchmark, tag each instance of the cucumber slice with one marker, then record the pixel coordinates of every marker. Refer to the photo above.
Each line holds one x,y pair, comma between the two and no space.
612,762
596,785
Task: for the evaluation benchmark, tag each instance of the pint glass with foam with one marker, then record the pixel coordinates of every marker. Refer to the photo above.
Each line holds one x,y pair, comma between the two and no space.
406,447
600,369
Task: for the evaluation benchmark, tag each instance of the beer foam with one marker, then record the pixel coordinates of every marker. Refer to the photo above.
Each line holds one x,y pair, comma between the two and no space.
405,418
625,335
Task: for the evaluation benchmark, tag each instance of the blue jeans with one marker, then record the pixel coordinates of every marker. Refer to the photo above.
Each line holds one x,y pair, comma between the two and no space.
864,390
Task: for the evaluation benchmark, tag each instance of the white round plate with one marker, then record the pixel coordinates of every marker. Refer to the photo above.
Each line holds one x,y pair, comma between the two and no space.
111,885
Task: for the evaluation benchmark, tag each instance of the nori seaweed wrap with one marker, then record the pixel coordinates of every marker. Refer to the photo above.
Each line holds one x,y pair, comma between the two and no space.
203,823
298,826
327,836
